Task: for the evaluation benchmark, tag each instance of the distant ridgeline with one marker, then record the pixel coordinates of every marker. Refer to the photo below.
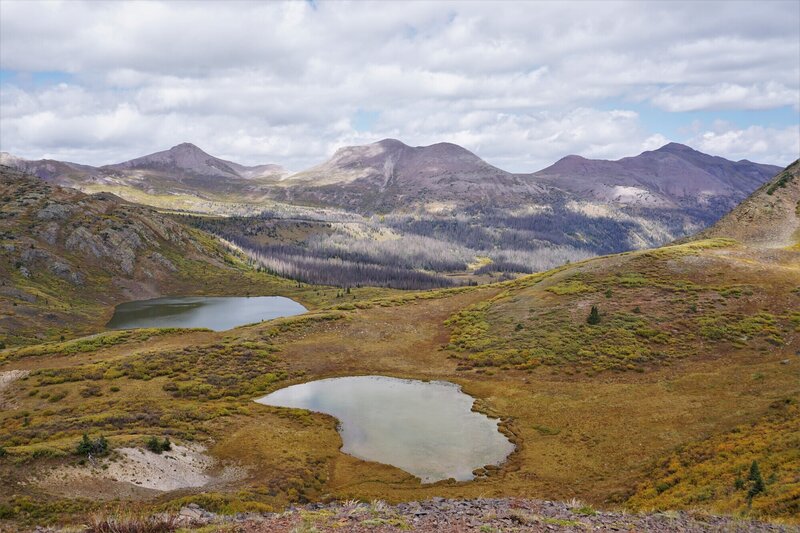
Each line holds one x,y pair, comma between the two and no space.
389,214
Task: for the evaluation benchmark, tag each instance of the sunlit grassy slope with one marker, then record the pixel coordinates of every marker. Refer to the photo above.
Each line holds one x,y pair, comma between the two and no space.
704,354
690,375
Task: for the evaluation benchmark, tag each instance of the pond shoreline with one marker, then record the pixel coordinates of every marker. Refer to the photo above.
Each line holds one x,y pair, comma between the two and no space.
217,313
430,429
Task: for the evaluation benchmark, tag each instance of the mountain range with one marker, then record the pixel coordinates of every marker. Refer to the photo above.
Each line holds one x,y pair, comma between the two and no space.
389,176
672,176
183,169
440,198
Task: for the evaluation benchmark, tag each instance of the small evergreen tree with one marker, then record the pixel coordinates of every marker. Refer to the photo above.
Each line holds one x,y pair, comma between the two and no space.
594,316
100,445
157,446
87,446
757,481
153,445
84,446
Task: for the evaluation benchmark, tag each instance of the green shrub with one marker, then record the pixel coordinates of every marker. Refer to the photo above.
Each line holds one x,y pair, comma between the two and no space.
156,446
594,316
87,446
91,390
585,510
57,396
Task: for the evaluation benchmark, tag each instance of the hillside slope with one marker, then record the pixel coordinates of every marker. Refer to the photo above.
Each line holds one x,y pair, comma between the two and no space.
770,217
711,309
66,257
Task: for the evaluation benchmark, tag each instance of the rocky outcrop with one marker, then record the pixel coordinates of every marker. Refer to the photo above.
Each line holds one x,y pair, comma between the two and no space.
73,250
441,515
55,212
769,218
33,258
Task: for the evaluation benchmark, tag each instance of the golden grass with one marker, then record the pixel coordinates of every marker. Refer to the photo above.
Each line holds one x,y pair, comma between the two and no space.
592,435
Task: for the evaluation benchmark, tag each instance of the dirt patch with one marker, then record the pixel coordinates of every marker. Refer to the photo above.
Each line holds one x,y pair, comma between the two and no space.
10,376
135,472
6,379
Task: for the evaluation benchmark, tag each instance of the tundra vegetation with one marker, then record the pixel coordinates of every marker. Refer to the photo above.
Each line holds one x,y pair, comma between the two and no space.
638,401
683,395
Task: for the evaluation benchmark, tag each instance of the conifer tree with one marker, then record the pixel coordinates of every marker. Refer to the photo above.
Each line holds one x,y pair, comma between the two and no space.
594,316
757,481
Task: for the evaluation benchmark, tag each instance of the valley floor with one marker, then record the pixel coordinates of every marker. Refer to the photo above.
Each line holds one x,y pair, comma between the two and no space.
597,425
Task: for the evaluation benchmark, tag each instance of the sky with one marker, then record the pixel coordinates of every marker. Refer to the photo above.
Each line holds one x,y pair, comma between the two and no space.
521,84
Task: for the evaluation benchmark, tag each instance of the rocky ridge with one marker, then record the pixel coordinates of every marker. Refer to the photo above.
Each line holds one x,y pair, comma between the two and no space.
769,218
457,516
63,252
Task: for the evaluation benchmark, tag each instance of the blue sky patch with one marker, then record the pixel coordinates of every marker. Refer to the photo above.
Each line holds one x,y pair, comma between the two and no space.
677,126
365,120
35,79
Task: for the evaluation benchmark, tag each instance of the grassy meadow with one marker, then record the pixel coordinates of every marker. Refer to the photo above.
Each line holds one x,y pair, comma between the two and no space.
623,413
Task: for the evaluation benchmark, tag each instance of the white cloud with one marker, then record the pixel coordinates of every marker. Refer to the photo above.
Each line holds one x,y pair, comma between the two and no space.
520,83
728,96
755,143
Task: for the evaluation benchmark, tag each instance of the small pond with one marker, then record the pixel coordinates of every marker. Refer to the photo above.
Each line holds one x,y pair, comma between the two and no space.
425,428
213,312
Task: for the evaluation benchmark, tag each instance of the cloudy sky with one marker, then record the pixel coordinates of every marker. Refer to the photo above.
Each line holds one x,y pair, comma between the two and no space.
520,83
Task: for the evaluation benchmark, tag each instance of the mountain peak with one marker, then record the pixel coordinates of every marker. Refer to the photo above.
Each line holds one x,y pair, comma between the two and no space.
186,147
181,159
572,157
391,144
675,148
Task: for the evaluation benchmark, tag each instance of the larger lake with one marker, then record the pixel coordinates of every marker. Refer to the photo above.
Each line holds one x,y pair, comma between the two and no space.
213,312
425,428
